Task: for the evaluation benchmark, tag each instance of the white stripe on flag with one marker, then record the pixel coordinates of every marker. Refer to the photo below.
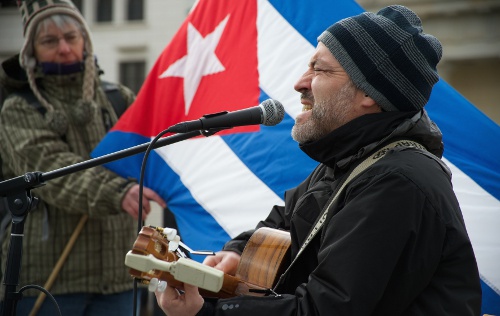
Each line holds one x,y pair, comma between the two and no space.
199,162
279,46
481,213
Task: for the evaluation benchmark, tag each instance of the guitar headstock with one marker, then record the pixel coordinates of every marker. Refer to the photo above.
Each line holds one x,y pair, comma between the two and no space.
152,241
151,261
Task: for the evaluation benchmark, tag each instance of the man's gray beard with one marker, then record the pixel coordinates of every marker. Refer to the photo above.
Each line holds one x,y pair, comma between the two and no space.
326,116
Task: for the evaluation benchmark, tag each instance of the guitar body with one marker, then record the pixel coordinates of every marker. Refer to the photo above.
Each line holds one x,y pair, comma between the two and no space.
265,257
263,260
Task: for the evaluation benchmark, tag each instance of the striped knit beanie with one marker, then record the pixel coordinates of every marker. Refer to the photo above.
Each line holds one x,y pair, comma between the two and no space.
387,55
33,12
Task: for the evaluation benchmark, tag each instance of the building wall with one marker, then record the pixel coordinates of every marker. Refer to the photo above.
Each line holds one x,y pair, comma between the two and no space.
11,33
468,29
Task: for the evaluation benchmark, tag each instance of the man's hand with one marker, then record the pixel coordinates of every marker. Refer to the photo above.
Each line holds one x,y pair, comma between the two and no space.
130,202
173,303
226,261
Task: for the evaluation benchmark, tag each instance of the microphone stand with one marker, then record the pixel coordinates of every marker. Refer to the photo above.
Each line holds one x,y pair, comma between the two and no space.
19,202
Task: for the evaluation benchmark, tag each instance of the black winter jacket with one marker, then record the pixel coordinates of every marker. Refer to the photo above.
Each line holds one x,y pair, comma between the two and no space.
394,243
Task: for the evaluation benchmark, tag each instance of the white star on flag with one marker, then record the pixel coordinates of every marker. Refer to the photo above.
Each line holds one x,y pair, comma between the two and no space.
199,61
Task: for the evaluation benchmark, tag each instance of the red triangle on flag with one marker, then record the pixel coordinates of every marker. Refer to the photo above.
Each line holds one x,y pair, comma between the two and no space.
209,66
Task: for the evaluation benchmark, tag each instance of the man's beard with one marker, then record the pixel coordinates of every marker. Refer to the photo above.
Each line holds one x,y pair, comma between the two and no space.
326,116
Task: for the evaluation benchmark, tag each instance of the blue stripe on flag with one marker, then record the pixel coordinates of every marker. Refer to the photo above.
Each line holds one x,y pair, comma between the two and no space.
469,136
310,19
491,300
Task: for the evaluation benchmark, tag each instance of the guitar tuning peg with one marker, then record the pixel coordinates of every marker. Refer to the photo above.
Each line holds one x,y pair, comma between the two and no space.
169,233
173,244
157,285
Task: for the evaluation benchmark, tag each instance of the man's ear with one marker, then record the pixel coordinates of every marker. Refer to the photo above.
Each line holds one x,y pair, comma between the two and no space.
369,105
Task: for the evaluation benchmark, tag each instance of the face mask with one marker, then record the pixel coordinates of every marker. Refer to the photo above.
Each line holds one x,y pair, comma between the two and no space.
61,69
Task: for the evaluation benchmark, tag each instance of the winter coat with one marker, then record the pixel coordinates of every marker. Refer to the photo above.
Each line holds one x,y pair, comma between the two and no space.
394,242
27,143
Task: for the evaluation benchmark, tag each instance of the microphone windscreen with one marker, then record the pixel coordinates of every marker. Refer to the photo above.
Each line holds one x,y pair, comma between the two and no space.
273,112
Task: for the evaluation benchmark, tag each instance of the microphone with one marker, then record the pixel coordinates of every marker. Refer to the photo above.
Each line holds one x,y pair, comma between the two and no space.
269,113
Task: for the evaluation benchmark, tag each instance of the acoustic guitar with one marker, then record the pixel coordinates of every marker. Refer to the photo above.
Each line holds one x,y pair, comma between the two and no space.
263,260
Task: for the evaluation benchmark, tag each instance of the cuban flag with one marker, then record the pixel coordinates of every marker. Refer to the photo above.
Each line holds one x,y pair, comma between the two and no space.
230,55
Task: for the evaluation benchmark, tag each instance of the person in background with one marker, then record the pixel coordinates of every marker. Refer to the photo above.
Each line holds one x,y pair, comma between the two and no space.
71,115
393,242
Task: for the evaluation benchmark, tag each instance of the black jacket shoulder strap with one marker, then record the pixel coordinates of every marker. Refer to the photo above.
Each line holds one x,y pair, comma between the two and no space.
115,97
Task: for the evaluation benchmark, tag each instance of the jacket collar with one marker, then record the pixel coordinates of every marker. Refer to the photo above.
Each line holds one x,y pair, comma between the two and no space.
362,135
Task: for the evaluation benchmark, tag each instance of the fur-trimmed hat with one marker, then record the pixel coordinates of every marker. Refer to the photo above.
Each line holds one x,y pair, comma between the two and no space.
35,11
387,55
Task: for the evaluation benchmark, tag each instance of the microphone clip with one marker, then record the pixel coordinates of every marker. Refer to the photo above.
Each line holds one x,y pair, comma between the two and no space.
211,131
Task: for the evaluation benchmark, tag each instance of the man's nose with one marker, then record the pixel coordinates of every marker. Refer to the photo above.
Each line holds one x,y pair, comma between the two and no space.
304,82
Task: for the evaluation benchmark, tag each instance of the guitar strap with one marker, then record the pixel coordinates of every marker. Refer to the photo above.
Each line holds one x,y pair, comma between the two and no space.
370,160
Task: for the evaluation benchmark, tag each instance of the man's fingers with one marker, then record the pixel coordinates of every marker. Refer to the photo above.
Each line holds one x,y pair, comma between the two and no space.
190,290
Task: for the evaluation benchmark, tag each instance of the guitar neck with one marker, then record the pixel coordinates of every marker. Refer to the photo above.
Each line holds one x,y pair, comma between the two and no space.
189,271
262,261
